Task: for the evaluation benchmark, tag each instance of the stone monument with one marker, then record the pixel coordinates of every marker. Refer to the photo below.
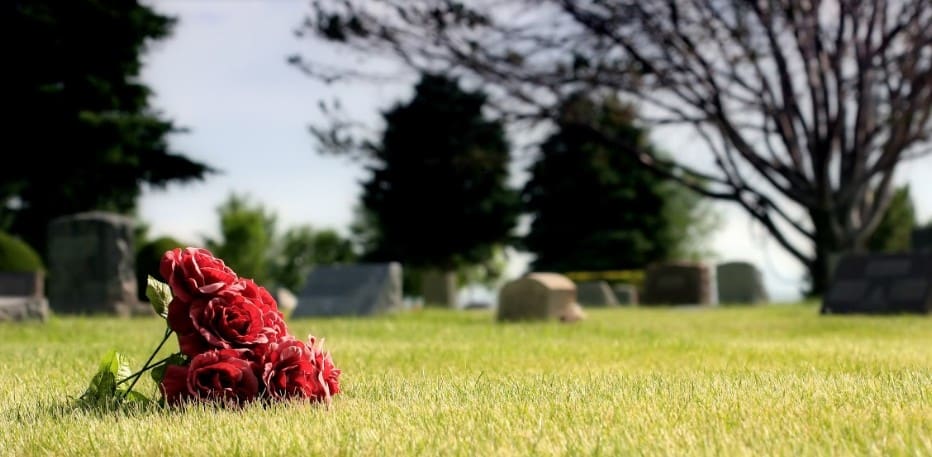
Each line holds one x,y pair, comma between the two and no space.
881,284
439,288
740,282
351,290
92,265
683,283
22,296
596,294
539,296
627,294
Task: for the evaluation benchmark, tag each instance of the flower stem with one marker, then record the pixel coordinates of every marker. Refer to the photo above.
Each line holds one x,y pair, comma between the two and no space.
146,366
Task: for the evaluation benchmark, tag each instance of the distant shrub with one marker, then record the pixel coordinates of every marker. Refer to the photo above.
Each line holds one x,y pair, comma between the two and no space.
147,261
16,255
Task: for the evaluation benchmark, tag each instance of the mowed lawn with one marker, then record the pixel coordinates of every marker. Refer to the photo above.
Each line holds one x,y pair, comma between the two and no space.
776,380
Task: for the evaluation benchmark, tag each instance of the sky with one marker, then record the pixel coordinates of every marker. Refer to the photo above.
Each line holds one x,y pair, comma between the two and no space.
223,75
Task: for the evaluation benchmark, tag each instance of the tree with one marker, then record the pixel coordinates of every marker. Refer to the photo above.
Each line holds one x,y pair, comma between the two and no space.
805,108
593,206
437,193
81,129
247,237
894,234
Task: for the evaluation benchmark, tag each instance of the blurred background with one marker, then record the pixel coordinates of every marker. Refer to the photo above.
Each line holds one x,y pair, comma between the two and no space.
221,123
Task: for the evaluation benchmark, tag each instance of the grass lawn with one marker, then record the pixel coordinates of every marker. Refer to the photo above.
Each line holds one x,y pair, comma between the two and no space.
777,380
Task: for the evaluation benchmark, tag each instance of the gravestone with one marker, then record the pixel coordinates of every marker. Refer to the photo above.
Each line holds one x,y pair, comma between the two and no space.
22,296
477,304
92,265
595,293
683,283
922,240
439,288
626,294
351,290
740,282
539,296
881,283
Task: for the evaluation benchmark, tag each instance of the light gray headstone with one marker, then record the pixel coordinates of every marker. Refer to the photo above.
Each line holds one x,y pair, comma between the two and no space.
351,290
626,294
595,293
91,265
740,282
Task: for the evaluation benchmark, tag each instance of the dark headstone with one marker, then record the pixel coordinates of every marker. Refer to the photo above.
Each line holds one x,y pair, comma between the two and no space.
922,240
91,265
740,282
881,283
678,284
439,288
351,290
22,284
595,293
22,296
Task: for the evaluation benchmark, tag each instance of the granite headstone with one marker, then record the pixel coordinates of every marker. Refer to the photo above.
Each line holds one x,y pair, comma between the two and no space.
22,296
596,294
683,283
92,265
439,288
881,284
740,282
351,290
627,294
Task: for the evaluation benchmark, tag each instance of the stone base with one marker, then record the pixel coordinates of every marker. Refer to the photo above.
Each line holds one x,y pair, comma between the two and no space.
23,308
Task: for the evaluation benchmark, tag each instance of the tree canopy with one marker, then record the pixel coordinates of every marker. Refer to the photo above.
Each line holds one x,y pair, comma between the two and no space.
82,131
437,194
805,109
593,207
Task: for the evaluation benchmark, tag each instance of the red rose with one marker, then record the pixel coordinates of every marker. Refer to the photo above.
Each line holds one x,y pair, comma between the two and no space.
328,374
294,369
223,375
227,321
195,272
174,385
273,319
257,294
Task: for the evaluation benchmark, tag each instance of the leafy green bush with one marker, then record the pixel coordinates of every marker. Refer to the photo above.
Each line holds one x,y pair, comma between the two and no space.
16,255
147,261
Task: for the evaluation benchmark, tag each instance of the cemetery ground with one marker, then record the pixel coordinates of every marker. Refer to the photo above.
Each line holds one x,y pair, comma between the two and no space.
769,380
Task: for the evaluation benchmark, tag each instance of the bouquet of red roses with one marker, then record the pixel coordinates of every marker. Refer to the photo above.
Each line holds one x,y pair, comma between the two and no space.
234,344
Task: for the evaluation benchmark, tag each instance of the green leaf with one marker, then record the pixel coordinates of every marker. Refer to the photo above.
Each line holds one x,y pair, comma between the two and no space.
103,389
160,295
136,397
158,373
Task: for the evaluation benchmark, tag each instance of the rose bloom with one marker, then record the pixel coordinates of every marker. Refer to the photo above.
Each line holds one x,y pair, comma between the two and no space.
174,385
225,374
228,321
295,369
195,272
